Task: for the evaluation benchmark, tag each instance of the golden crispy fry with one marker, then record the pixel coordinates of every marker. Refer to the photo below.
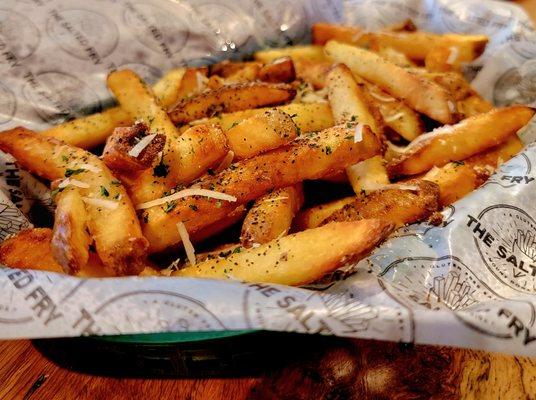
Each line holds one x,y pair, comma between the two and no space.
394,56
307,52
324,32
116,152
368,175
271,216
420,93
193,81
299,258
219,226
399,204
453,82
279,70
308,157
215,82
227,68
457,179
308,117
113,223
70,238
457,142
473,105
260,133
231,98
199,148
349,102
248,73
453,51
313,72
167,89
313,217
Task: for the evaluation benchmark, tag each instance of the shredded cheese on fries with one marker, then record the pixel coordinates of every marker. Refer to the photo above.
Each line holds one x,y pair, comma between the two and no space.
188,246
385,99
453,55
186,193
108,204
394,117
88,167
72,182
358,133
141,145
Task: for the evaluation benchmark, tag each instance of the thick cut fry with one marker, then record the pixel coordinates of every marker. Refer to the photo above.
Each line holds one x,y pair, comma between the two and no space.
70,238
307,52
193,81
92,130
368,175
313,72
199,148
248,73
394,56
231,98
452,82
349,102
308,157
260,133
473,105
457,179
308,117
453,51
279,70
271,216
219,226
457,142
227,68
418,92
324,32
113,223
399,204
299,258
313,217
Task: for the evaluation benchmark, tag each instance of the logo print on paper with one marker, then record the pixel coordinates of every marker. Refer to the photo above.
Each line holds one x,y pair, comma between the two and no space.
516,172
505,237
8,104
516,85
446,283
158,310
274,308
19,37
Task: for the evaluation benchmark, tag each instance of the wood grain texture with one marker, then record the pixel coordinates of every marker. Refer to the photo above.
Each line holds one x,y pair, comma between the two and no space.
334,369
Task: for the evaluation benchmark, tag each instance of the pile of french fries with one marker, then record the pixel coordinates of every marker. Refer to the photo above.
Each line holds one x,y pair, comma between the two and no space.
208,148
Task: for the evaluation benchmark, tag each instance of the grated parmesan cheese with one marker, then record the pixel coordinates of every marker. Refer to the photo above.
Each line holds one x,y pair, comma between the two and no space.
141,145
358,133
452,106
187,193
188,247
108,204
72,182
275,199
87,167
394,117
386,99
201,80
453,55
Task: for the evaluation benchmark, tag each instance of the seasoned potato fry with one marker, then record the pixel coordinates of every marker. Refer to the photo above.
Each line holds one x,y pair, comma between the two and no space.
457,142
227,68
193,81
219,226
456,179
296,259
70,238
313,217
473,105
231,98
307,52
399,204
453,51
167,89
308,157
421,94
113,223
453,82
260,133
394,56
324,32
308,117
313,72
348,102
271,216
199,148
279,70
368,175
248,73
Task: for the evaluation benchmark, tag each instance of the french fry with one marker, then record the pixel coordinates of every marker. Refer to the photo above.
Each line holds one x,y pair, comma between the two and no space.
193,81
313,217
296,259
473,105
260,133
308,157
419,93
394,56
349,102
453,51
313,72
70,239
167,89
199,148
308,117
231,98
368,175
451,81
456,179
307,52
227,68
219,226
279,70
248,73
457,142
271,216
399,204
112,223
323,32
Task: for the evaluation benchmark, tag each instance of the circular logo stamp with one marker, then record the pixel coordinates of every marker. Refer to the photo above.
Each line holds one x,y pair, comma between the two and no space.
19,37
84,34
515,172
516,85
148,73
281,21
156,28
157,310
446,283
57,96
274,308
8,104
511,253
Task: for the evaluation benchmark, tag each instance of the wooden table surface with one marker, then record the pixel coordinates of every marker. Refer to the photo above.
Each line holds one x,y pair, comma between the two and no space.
309,368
